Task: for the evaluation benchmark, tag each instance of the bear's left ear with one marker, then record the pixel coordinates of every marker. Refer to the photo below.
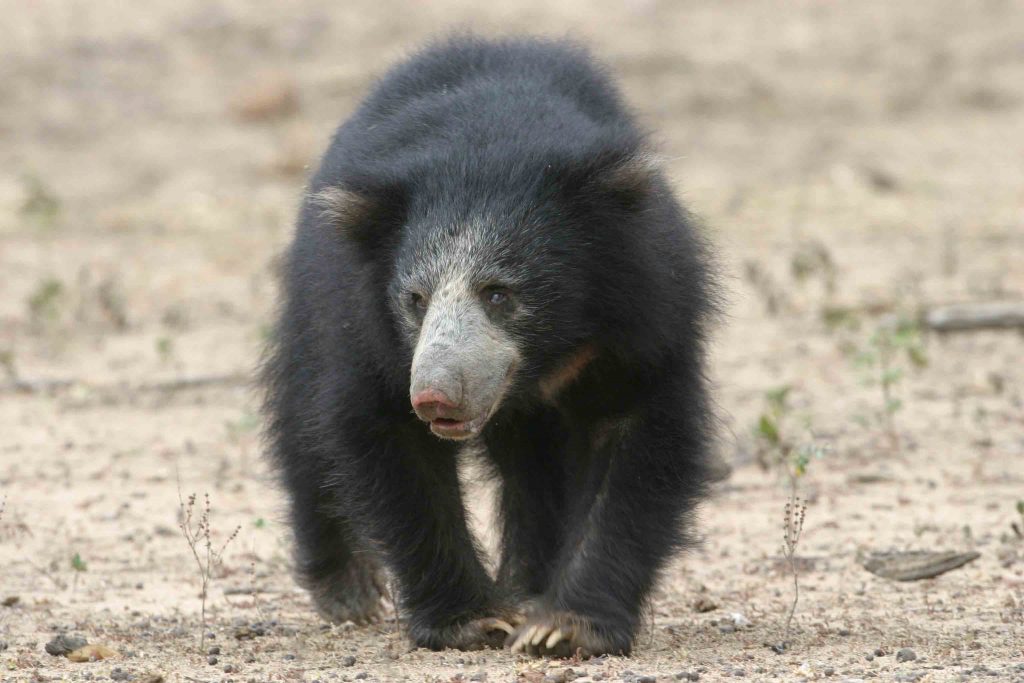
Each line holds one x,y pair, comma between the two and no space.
629,179
622,180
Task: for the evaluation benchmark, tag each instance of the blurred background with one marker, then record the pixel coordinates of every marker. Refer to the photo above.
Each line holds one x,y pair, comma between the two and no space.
858,165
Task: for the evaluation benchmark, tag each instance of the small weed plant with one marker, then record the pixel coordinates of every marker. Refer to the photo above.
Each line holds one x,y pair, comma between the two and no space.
889,353
194,523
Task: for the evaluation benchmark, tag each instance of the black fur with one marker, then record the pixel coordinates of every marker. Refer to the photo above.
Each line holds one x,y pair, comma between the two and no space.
530,138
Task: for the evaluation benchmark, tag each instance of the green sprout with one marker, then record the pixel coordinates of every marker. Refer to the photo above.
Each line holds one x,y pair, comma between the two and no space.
890,352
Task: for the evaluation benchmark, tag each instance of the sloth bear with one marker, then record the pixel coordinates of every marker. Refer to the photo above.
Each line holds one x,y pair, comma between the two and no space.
489,256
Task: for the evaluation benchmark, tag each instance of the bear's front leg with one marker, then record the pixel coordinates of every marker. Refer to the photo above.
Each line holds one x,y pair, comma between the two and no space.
402,490
632,523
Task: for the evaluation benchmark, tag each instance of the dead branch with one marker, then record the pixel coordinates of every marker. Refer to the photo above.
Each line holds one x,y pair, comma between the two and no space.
976,316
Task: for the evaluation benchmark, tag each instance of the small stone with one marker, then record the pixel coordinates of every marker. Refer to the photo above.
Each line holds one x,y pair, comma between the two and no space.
3,645
704,604
361,675
646,679
739,620
11,601
912,677
906,655
91,653
727,628
687,676
250,659
289,657
879,652
478,676
228,668
870,657
348,660
271,97
829,671
119,674
215,650
62,644
211,660
739,673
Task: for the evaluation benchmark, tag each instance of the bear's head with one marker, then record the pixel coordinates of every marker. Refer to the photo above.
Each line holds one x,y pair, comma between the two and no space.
496,284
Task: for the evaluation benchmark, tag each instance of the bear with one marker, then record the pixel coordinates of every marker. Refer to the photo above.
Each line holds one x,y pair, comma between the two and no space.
489,257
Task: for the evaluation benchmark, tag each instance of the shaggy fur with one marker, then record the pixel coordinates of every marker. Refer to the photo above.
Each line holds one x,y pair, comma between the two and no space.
516,162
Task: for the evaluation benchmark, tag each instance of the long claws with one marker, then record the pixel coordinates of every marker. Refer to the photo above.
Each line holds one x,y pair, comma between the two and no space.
538,635
524,638
554,638
495,624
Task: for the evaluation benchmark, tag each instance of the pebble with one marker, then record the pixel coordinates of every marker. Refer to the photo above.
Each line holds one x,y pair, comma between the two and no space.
348,660
879,652
687,676
911,677
740,620
62,644
906,655
478,676
704,604
211,660
119,674
739,673
646,679
361,675
215,650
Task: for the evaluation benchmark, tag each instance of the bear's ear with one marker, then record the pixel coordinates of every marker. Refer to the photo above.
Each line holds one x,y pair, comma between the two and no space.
617,179
346,211
629,179
362,216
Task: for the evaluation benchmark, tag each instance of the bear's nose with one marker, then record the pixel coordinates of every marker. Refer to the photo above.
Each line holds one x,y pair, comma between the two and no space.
431,404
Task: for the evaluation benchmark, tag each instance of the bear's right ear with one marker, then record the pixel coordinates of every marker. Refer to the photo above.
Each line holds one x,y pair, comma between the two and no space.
364,216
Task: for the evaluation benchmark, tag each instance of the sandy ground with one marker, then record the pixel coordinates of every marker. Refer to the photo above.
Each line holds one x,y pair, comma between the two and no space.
854,162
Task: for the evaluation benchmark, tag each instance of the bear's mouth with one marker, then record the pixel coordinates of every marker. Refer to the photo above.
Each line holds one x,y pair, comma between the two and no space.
449,428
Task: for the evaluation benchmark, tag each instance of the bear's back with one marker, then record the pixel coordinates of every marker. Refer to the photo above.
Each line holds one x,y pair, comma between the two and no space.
485,100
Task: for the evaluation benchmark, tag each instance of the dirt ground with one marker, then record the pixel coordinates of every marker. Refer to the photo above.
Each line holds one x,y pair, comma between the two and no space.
855,163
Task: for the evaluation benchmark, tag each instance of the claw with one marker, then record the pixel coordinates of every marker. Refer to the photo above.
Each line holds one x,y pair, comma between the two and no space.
523,640
554,638
495,624
538,637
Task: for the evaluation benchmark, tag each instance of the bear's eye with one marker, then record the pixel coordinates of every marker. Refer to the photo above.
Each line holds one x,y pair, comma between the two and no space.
418,301
496,296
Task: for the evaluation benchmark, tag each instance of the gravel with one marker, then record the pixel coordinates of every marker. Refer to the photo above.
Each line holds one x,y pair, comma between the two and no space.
62,644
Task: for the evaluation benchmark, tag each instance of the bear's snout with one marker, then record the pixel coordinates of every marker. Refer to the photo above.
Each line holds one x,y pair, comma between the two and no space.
432,404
